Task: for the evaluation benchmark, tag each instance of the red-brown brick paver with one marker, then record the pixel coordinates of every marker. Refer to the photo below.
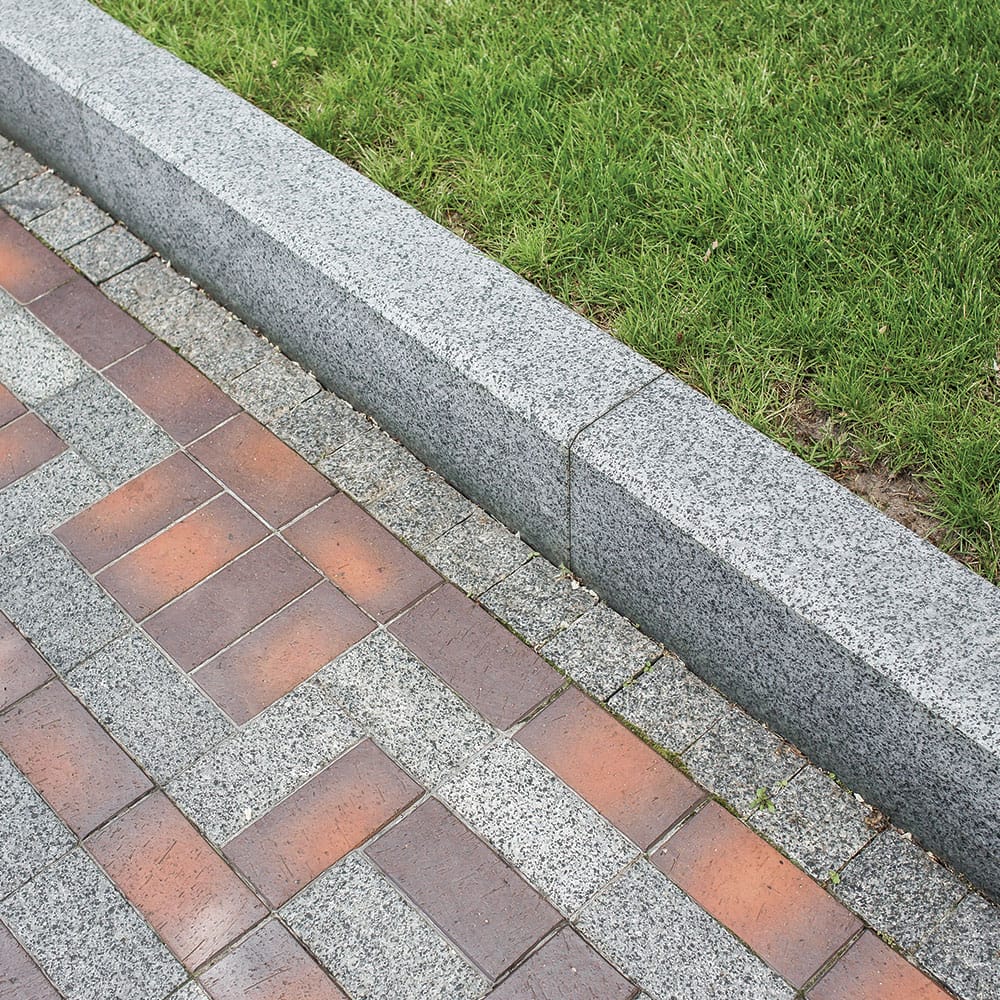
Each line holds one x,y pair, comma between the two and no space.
268,964
363,559
21,668
10,406
226,606
476,898
25,444
870,970
317,825
618,774
473,653
262,470
174,561
283,652
137,511
27,268
175,394
781,913
86,319
170,873
565,967
20,978
76,766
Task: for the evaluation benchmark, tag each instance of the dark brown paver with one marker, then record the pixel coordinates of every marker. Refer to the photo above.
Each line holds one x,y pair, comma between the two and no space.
473,653
269,964
870,970
27,268
25,444
136,511
75,765
262,470
170,873
221,609
781,913
20,978
344,805
479,901
171,563
21,668
363,559
283,652
609,766
89,322
565,967
175,394
10,406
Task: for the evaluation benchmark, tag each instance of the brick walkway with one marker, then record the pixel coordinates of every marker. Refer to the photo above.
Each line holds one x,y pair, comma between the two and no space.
253,746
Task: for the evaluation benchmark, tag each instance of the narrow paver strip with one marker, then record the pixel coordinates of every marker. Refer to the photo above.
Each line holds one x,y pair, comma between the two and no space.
283,715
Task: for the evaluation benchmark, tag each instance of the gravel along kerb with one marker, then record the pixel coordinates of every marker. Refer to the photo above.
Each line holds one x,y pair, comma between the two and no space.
876,653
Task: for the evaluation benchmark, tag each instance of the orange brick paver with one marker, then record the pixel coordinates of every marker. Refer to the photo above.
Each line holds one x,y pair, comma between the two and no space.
27,268
21,668
25,444
20,978
10,406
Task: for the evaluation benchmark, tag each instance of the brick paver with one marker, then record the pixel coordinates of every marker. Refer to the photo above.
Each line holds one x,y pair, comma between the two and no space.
304,765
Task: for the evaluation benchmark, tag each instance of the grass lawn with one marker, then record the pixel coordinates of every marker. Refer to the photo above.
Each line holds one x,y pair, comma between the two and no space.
792,204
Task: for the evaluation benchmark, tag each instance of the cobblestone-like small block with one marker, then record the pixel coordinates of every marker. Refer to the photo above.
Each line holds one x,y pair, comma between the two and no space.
320,425
537,600
374,942
663,940
35,196
369,466
271,756
601,650
31,835
215,341
87,939
16,165
56,605
899,890
964,950
425,726
815,822
738,756
421,509
154,293
477,553
272,388
53,366
560,844
107,253
70,222
100,423
151,707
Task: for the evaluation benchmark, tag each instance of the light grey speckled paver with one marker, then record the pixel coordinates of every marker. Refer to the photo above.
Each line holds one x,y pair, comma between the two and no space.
107,429
370,465
33,197
421,509
557,841
818,824
738,756
53,602
601,650
389,692
320,425
964,950
537,600
107,253
275,752
53,367
87,939
899,889
70,222
272,388
192,991
150,706
374,942
16,165
31,835
210,337
671,947
668,703
155,294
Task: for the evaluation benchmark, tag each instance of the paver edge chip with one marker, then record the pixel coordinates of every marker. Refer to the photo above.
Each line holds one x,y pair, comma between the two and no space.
876,653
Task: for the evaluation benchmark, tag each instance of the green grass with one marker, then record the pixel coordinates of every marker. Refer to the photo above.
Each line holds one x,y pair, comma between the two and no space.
842,154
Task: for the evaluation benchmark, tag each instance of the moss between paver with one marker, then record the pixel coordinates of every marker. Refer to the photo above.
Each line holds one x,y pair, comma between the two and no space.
792,205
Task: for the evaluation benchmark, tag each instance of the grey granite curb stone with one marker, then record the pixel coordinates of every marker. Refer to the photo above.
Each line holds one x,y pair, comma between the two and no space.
872,651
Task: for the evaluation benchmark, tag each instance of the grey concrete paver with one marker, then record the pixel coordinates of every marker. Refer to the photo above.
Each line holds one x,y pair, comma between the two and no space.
36,195
70,222
963,951
272,388
107,253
